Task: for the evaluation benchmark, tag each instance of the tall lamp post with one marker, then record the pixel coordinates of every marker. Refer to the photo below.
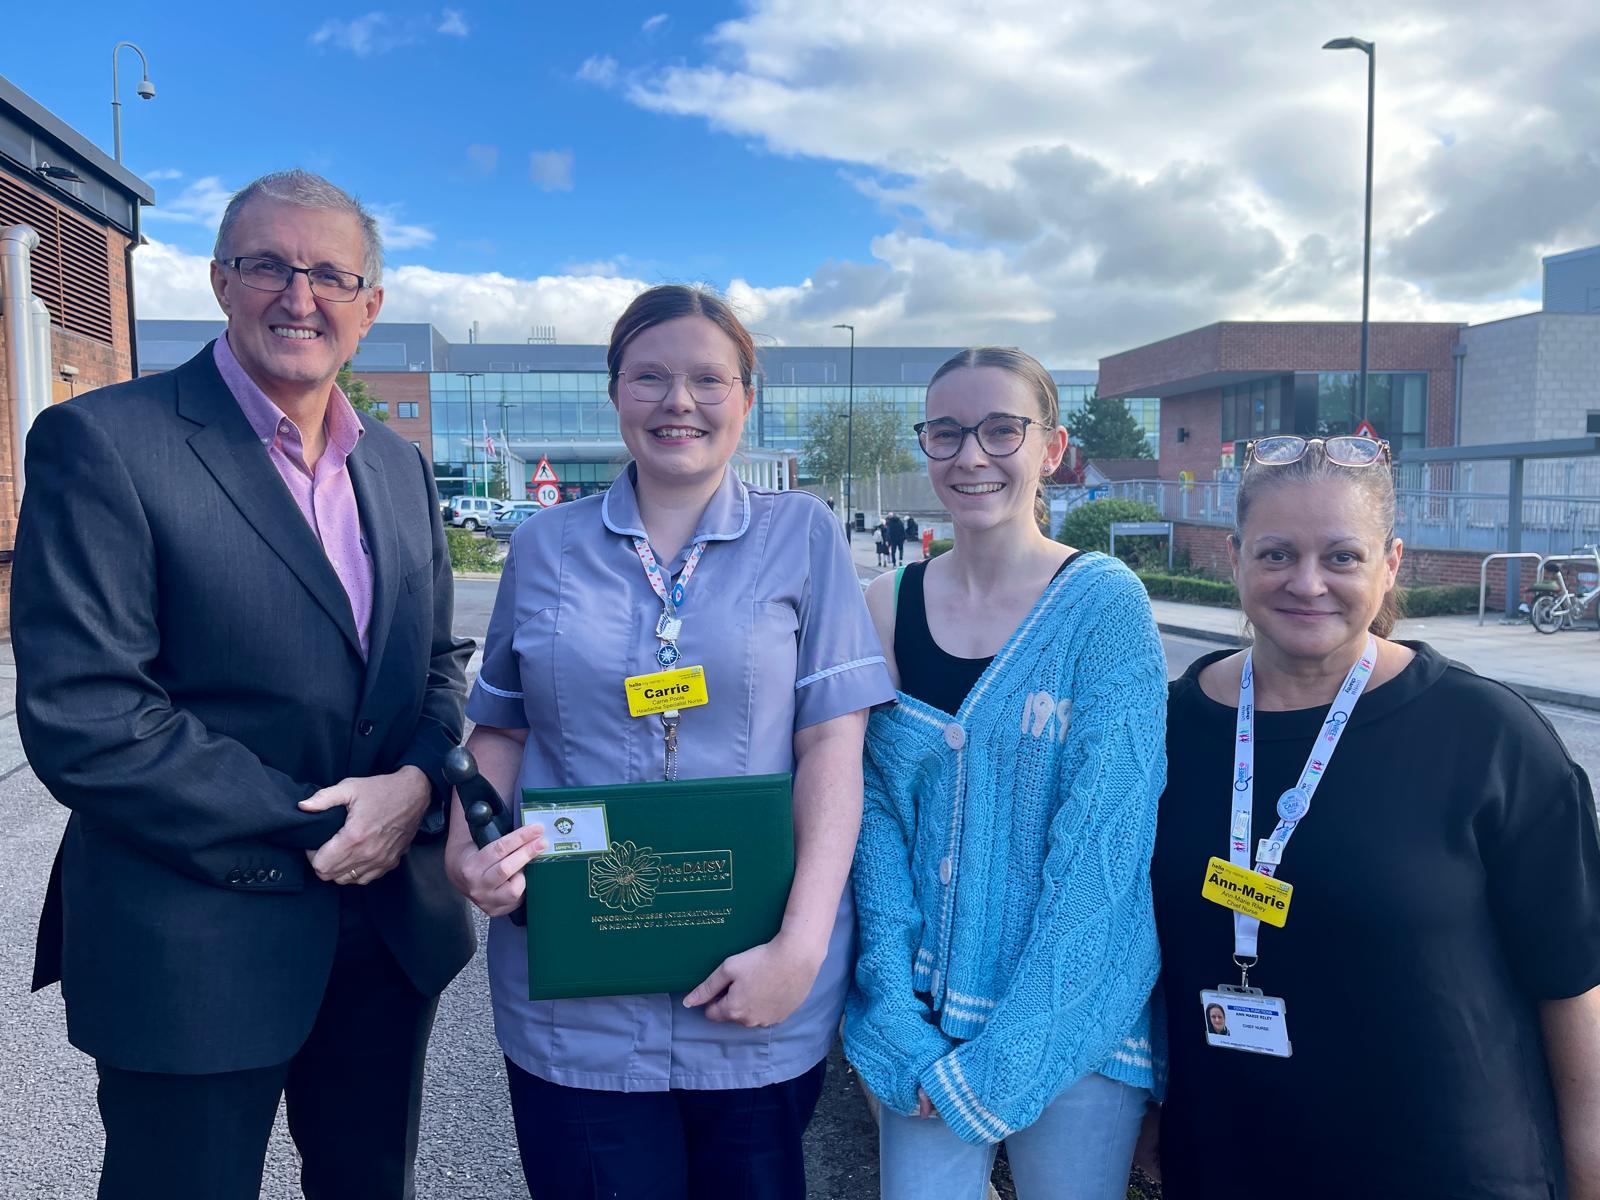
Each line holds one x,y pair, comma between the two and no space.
472,452
850,440
1370,50
505,449
146,90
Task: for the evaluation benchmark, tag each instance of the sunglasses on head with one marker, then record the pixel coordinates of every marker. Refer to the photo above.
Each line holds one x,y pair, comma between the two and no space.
1344,451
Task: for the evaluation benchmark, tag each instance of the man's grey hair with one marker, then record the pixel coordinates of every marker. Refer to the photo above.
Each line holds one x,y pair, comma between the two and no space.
307,190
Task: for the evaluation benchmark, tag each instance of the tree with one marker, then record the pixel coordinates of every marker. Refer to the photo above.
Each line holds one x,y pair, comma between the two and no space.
362,398
1104,428
879,428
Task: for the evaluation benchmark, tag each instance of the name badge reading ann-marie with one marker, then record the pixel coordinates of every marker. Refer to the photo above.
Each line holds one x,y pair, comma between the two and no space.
1247,892
665,691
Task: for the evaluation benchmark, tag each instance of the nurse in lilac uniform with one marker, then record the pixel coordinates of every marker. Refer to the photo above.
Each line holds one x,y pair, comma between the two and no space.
667,1095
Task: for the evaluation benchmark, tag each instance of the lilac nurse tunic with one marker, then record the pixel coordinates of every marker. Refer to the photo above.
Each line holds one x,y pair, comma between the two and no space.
775,615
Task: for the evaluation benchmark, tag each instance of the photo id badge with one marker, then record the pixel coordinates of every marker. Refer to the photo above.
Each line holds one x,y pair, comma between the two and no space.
570,830
1238,1018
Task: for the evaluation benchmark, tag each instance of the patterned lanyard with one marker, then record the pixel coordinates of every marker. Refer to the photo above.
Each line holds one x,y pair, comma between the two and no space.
669,626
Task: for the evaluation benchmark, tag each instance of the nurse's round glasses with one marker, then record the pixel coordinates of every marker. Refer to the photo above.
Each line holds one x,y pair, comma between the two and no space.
649,382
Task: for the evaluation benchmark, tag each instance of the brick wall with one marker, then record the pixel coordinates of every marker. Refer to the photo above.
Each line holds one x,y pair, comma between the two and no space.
98,363
396,388
1206,547
1199,414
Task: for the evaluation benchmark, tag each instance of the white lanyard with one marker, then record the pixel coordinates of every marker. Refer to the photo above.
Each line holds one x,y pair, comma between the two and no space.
1295,803
669,626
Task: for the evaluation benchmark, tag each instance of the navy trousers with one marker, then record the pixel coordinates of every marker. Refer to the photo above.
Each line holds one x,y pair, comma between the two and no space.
739,1144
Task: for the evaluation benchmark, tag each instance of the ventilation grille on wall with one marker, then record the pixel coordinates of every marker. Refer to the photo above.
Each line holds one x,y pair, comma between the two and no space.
71,267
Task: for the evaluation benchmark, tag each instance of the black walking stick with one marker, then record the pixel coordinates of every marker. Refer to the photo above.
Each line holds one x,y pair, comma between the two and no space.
487,815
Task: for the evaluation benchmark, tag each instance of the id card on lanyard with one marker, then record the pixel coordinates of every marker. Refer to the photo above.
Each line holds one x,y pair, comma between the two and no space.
1241,1017
666,692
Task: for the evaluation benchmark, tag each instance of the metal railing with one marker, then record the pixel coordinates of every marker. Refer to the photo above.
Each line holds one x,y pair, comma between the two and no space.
1425,518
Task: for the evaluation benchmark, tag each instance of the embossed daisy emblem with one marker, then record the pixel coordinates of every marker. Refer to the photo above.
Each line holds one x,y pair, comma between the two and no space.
625,877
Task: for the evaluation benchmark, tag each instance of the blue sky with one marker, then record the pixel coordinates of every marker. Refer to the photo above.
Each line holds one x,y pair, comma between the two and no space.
1076,181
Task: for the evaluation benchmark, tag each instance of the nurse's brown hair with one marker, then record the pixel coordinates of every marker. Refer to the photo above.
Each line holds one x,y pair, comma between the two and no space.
667,303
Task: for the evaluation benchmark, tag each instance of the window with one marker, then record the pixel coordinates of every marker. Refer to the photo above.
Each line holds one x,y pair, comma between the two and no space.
1594,422
1397,406
381,406
409,410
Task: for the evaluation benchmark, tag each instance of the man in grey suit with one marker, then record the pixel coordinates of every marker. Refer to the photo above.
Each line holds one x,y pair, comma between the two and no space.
231,611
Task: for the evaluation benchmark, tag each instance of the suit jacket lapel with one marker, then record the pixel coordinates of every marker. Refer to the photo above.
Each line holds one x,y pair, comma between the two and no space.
383,543
230,451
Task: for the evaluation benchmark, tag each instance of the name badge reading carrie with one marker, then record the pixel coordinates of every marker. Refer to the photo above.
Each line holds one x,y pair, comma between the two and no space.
1247,892
577,829
666,691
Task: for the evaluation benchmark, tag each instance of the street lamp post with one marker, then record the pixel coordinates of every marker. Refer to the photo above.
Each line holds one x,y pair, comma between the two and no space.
472,453
146,90
850,440
1371,51
505,448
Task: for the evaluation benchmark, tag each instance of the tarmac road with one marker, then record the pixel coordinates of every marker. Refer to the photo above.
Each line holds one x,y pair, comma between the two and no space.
49,1141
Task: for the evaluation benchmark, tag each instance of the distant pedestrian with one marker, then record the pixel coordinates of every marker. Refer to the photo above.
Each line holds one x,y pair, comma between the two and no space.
880,542
912,534
830,503
897,538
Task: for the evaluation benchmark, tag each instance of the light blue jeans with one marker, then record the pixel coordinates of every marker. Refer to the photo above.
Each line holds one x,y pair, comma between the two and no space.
1080,1148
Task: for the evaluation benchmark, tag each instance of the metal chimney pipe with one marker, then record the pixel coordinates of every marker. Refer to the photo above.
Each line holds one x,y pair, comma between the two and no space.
17,244
44,375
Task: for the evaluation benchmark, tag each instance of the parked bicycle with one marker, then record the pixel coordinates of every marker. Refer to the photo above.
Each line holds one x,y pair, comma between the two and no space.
1556,606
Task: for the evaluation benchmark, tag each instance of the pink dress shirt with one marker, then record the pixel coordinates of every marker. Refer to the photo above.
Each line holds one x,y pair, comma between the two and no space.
325,495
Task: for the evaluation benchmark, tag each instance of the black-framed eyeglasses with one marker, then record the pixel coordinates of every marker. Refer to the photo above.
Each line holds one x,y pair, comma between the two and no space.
270,275
999,435
650,382
1349,450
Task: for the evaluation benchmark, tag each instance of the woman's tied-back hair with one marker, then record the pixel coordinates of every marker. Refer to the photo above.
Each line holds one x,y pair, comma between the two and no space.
1373,484
306,190
1032,373
668,302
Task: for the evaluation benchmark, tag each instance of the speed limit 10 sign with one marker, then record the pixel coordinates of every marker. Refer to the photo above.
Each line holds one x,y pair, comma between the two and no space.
548,495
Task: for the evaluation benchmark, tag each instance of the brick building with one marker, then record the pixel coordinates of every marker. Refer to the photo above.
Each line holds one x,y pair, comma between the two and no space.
84,207
1223,384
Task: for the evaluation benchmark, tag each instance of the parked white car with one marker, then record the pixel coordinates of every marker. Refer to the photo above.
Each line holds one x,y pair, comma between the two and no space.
474,512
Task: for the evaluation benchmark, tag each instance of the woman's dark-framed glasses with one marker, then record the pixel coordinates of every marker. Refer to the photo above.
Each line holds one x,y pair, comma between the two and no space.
270,275
649,382
1346,451
998,435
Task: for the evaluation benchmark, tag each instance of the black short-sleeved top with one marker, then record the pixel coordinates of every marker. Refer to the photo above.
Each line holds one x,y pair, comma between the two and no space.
1446,880
928,671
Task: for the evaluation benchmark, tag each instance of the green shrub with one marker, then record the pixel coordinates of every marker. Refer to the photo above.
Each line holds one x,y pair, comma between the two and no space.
1438,600
1190,589
1088,527
469,552
940,546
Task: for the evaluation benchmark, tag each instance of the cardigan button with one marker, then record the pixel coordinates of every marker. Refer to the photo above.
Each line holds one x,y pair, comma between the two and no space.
944,872
954,736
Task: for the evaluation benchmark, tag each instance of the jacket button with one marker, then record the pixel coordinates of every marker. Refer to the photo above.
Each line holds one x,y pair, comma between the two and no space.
261,874
274,875
233,875
364,728
944,872
954,736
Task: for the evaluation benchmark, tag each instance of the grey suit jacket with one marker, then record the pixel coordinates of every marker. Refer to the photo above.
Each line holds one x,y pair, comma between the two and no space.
188,669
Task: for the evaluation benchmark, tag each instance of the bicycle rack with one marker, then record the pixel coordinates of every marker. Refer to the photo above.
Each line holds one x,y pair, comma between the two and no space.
1483,573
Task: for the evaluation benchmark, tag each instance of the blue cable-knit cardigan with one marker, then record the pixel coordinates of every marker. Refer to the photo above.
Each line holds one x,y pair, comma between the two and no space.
1002,879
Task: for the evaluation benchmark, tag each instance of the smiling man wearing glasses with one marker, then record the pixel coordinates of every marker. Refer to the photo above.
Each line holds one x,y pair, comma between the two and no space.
235,666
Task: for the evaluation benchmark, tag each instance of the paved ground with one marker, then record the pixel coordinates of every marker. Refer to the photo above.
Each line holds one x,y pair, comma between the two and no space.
49,1141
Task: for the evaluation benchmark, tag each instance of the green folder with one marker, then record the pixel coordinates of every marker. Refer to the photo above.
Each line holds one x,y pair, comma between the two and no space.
647,887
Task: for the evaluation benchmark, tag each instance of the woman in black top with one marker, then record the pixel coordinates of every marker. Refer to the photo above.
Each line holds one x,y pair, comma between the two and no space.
1446,886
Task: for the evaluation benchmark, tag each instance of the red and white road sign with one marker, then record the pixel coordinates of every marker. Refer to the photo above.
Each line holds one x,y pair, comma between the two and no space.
1366,430
548,495
544,472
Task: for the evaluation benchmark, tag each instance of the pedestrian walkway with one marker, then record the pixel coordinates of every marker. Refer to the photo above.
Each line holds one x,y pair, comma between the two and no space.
866,558
1562,668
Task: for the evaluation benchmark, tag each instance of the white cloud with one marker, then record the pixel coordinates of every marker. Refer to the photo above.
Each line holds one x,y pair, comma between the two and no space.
201,203
379,32
653,24
551,170
600,69
1119,170
161,173
484,159
398,234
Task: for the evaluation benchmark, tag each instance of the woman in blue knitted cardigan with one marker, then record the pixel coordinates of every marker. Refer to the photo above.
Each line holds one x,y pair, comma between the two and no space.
1008,947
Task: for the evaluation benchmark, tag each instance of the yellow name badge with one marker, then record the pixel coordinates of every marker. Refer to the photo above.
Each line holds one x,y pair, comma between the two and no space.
1248,892
665,691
